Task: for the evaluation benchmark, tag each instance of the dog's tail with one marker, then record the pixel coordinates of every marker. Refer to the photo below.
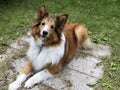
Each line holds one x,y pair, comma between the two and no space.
82,37
87,44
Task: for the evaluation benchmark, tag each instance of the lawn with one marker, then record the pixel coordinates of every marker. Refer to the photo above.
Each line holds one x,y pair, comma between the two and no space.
101,17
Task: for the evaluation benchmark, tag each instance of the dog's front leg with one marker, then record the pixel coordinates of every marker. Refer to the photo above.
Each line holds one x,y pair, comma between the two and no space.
21,78
37,78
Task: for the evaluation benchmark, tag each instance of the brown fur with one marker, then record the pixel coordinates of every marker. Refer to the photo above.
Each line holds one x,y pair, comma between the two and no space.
53,69
75,34
28,68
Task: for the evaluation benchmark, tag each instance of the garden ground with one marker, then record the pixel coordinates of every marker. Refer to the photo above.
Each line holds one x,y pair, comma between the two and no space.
102,18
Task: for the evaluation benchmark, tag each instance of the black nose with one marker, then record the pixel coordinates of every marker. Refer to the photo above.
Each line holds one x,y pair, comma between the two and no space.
45,33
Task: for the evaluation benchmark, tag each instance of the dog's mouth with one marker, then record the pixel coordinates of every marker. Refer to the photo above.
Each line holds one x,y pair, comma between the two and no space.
44,37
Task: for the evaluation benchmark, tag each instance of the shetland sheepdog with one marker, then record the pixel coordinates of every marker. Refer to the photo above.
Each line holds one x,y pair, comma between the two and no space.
53,42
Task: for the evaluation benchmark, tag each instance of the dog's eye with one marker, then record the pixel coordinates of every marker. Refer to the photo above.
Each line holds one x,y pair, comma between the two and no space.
52,27
42,24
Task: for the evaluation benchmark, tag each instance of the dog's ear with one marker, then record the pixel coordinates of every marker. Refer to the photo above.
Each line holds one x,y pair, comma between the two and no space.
42,13
60,21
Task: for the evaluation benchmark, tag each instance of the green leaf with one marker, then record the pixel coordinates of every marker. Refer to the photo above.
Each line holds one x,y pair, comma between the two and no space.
92,84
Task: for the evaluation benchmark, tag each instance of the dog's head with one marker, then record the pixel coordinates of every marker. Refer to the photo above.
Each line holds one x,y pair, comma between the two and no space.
48,29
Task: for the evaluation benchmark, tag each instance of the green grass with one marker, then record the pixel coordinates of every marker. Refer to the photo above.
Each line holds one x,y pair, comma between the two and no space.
101,17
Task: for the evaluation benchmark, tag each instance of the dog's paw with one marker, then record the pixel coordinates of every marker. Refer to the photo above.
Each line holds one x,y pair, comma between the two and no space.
29,83
14,86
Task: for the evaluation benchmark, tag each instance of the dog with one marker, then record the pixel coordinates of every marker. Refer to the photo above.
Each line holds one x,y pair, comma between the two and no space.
53,42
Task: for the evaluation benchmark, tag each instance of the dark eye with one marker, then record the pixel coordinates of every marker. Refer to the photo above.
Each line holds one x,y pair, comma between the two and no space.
52,27
42,24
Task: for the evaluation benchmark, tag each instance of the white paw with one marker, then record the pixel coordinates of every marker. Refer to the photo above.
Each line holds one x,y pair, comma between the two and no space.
14,86
29,83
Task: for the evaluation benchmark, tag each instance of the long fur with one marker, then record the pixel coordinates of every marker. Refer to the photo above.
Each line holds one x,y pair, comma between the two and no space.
48,55
53,43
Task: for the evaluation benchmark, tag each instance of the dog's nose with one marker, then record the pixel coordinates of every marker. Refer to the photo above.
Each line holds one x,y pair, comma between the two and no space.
45,33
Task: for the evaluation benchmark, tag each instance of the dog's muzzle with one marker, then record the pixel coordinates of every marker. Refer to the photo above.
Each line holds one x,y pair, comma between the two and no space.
44,34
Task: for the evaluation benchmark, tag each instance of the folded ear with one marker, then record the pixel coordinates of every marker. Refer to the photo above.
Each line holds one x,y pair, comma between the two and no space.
42,13
60,21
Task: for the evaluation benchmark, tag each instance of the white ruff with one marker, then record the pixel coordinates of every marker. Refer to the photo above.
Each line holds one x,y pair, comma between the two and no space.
47,55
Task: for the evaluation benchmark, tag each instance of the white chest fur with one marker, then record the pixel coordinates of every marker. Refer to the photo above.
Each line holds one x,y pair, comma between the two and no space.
47,55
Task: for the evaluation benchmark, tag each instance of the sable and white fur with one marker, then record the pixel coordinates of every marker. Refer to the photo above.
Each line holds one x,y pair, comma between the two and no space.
53,43
47,55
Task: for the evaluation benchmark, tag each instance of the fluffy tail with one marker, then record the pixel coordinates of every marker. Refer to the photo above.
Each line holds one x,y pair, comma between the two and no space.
82,37
87,44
